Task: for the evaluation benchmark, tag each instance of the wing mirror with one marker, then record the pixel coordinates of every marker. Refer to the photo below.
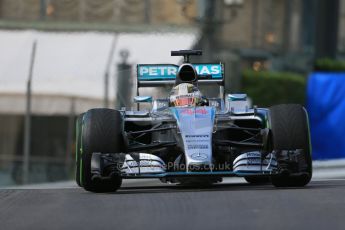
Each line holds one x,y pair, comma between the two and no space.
142,99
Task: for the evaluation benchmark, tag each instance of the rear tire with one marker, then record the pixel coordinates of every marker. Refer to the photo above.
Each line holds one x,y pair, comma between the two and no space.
102,131
257,180
290,131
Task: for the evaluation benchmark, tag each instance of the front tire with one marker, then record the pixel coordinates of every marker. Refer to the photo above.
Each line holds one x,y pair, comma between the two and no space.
290,131
102,132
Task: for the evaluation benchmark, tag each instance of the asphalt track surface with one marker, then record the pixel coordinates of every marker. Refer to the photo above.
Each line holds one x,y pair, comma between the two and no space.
151,205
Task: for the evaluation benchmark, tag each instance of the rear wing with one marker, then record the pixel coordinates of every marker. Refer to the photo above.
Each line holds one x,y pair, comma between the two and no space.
150,75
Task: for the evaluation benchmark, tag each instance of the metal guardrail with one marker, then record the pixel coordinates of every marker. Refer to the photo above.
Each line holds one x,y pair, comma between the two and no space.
326,164
329,169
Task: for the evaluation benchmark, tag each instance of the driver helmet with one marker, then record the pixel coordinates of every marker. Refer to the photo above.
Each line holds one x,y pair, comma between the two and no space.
185,94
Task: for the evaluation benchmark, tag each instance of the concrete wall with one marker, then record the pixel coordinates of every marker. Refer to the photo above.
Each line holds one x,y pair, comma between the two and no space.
51,153
42,104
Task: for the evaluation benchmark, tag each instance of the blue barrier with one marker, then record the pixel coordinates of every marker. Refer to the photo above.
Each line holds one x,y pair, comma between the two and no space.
326,107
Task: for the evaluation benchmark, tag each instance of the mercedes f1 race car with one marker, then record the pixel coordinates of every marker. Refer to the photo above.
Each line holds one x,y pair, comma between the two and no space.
188,138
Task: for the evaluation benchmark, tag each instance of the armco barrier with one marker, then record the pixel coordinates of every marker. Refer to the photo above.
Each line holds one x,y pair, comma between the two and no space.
326,107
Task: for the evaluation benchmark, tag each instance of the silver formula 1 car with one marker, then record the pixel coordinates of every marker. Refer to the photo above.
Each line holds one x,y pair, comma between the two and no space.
188,138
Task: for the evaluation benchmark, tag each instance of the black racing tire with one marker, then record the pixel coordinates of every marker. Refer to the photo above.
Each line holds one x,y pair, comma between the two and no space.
78,148
102,131
256,180
290,131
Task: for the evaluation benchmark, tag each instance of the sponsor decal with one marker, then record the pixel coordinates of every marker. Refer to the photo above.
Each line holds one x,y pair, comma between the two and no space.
253,154
197,146
142,163
253,161
208,69
169,71
191,111
158,70
199,156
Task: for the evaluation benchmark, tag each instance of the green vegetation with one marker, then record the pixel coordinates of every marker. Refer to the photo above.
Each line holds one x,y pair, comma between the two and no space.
328,64
270,88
